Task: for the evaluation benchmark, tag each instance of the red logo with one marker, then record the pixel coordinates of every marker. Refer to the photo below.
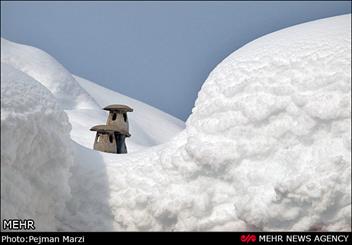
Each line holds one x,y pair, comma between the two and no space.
248,238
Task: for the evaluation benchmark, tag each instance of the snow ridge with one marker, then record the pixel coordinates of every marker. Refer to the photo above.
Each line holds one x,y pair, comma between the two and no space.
45,69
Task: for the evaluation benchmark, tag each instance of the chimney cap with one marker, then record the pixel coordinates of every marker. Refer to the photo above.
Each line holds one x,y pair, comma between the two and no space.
116,107
110,129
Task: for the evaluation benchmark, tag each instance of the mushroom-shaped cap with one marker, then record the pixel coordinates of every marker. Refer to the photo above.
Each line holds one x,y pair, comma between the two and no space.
123,108
110,129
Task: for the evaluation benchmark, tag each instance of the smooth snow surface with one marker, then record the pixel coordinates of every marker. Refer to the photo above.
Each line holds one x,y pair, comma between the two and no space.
83,100
45,69
267,146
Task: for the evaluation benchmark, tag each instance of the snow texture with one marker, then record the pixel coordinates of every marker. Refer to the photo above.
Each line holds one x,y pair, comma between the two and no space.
273,123
267,146
35,151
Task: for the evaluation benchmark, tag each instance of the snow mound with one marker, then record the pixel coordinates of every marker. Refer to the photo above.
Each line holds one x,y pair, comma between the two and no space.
35,151
273,123
267,147
45,69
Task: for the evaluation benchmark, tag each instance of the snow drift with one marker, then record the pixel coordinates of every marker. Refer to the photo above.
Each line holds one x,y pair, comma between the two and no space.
267,146
46,70
35,151
273,124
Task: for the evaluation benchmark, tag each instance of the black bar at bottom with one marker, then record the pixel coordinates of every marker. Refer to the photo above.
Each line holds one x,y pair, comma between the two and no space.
213,237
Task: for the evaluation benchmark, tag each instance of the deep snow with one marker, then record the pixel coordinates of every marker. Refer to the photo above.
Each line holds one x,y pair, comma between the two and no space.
267,146
46,70
35,151
273,121
37,143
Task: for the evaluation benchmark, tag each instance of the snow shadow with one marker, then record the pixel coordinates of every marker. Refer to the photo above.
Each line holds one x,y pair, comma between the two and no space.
88,207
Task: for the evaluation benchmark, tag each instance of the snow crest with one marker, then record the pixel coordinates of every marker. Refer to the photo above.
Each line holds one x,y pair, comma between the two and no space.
46,70
35,151
273,123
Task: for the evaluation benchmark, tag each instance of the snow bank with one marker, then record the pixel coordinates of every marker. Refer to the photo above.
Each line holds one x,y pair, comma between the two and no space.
272,124
35,151
45,69
36,145
267,147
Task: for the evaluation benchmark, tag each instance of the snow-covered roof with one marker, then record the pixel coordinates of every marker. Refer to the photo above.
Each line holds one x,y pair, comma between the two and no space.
123,108
110,128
